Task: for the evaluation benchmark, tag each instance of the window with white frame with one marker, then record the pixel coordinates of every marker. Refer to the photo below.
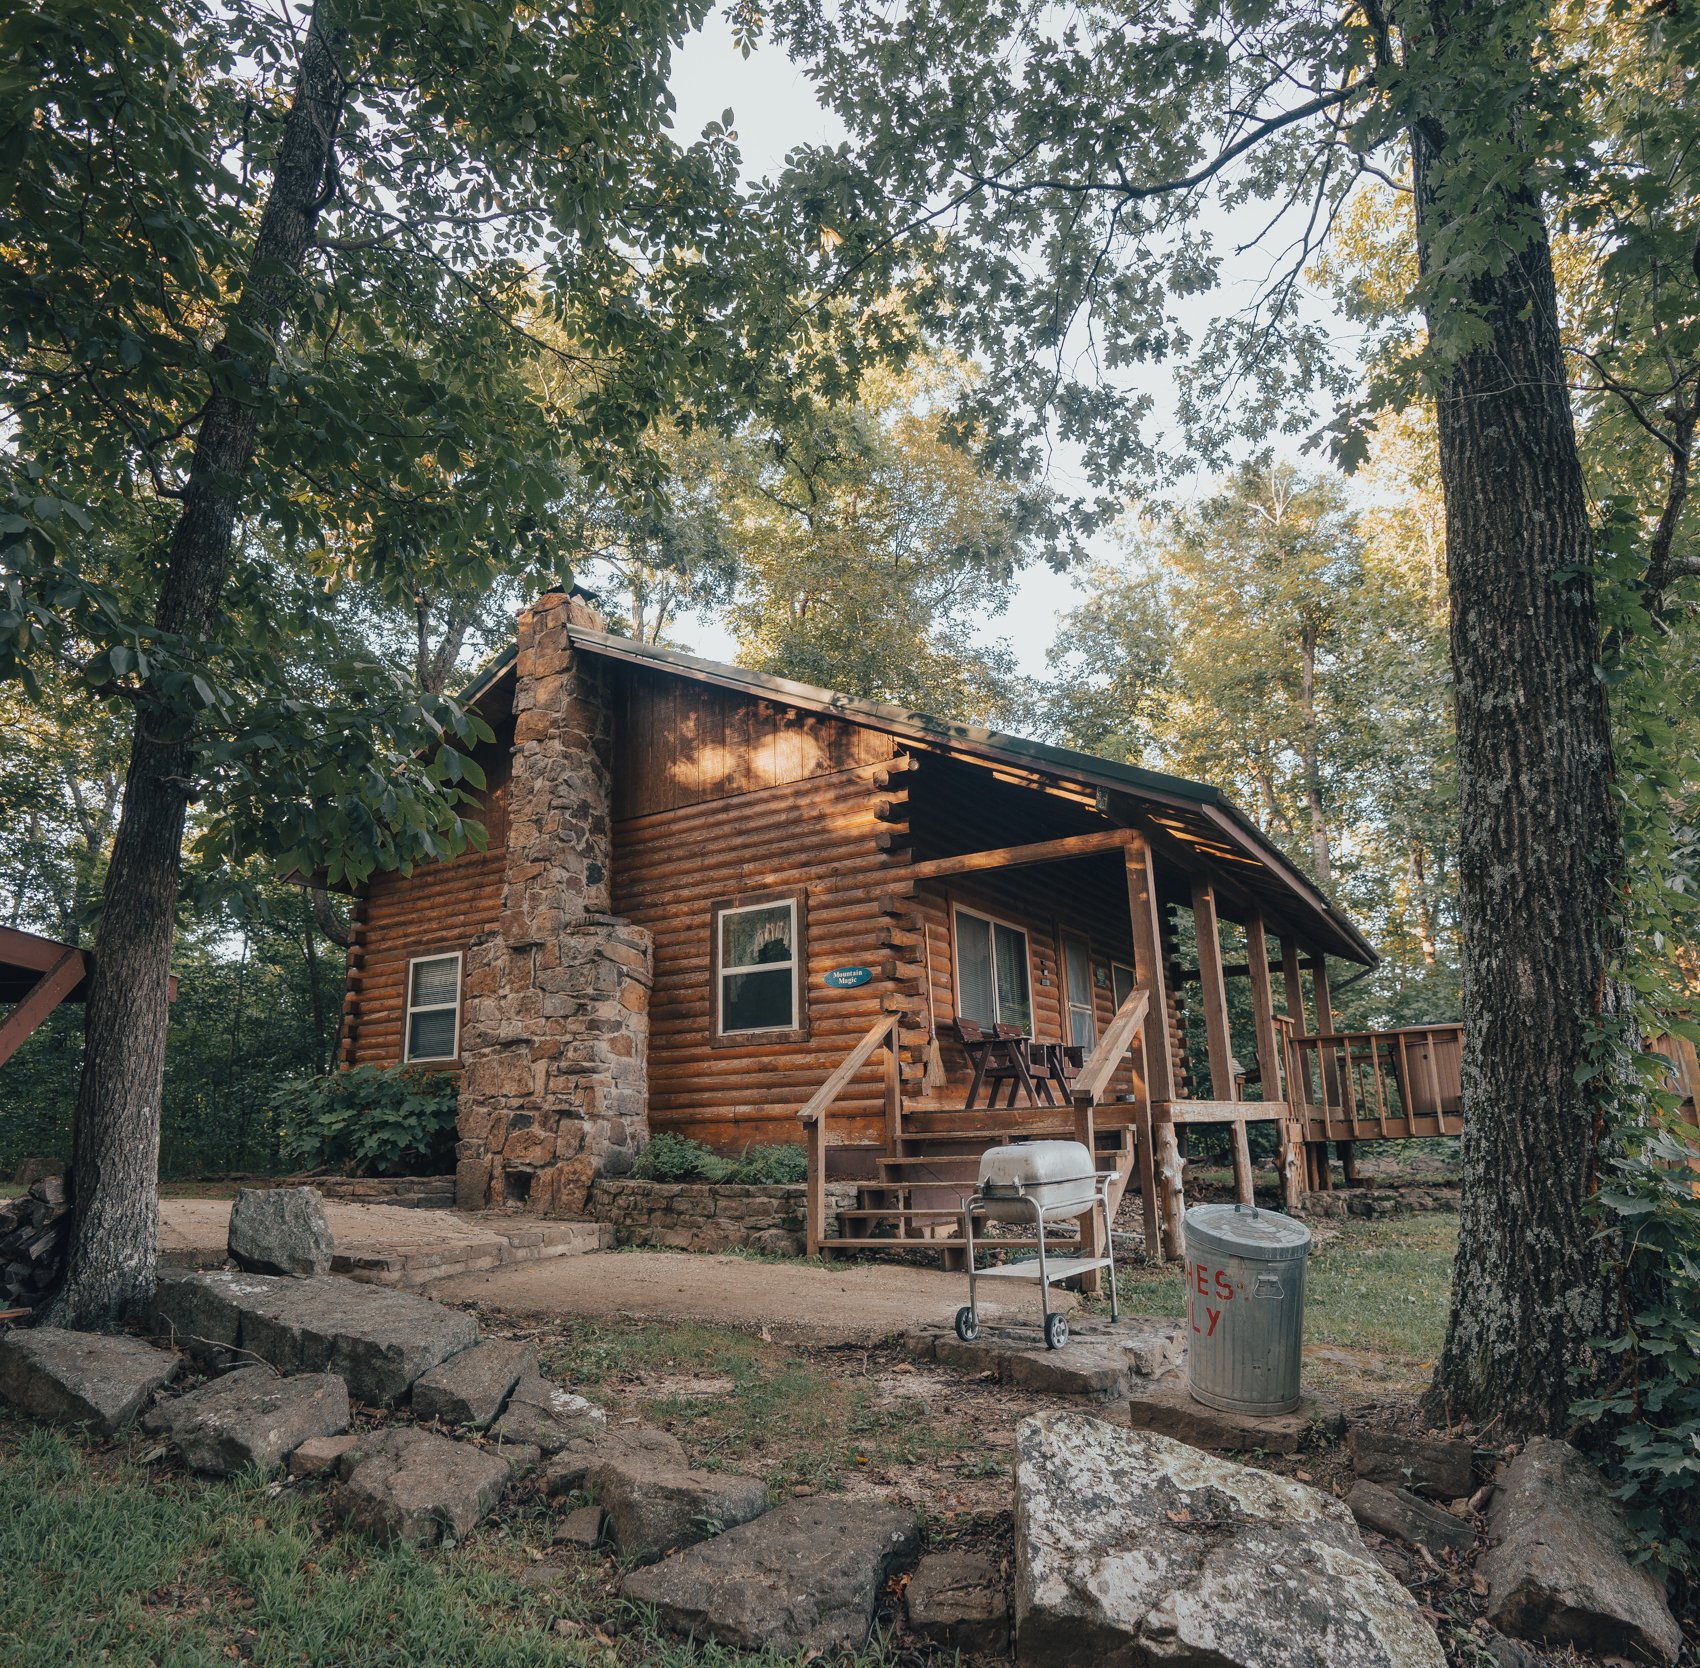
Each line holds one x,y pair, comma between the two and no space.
1077,978
433,1008
993,986
756,967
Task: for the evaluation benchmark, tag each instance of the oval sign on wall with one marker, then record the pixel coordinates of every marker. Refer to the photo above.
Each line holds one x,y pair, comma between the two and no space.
847,978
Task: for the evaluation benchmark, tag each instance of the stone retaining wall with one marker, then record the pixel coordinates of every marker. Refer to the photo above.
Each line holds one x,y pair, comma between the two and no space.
418,1192
710,1216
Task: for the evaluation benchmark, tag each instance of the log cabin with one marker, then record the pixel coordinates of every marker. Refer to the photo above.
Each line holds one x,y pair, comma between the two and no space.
749,911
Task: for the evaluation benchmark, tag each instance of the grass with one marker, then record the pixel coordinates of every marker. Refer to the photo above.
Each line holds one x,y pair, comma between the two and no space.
779,1414
107,1560
110,1559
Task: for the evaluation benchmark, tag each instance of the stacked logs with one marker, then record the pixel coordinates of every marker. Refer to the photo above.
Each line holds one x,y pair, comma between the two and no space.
34,1232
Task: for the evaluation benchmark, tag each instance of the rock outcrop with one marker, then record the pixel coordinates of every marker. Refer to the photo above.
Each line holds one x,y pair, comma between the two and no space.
377,1341
1559,1571
472,1388
547,1417
654,1507
956,1600
76,1378
806,1576
412,1485
250,1417
1131,1547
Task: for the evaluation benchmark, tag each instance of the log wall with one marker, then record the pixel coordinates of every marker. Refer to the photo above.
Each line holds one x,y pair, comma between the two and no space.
819,838
439,908
681,743
1045,902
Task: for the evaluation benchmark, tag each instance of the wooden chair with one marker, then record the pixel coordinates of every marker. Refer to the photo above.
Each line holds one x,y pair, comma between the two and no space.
1043,1067
997,1059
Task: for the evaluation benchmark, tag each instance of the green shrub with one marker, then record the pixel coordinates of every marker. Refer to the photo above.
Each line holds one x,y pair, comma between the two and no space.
1648,1419
371,1121
677,1158
771,1166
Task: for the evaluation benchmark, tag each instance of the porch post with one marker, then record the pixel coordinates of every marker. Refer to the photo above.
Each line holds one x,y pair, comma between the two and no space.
1160,1169
1269,1059
1347,1150
814,1211
1292,976
1217,1039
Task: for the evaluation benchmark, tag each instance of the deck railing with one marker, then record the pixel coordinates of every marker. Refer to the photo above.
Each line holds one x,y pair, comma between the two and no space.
1349,1085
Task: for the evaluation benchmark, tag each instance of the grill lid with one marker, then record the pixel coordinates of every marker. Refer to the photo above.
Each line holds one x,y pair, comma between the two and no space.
1264,1236
1033,1162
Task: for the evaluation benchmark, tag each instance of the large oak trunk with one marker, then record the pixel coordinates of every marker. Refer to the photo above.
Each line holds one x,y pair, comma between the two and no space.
1539,838
115,1150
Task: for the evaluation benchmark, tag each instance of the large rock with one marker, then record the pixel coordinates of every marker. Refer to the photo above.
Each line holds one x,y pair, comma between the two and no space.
75,1378
280,1230
1133,1548
547,1417
412,1485
569,1468
250,1417
1103,1362
804,1577
654,1506
379,1342
1560,1571
470,1388
956,1600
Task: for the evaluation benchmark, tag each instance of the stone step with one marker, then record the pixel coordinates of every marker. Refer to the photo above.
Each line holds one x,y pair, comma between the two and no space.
418,1267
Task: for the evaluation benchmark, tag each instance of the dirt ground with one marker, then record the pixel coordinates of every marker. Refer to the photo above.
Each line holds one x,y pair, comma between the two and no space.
201,1227
831,1304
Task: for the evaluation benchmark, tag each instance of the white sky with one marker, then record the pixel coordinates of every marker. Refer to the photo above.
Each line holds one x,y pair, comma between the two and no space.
774,109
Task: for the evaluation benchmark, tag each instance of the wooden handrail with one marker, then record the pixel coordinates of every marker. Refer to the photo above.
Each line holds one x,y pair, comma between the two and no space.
834,1086
1095,1075
812,1116
1445,1028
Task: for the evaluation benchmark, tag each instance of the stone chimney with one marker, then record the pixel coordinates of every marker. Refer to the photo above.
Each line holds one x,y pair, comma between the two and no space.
555,1034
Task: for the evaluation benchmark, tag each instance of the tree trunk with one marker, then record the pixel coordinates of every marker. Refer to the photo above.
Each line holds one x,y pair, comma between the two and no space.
1427,940
1321,866
1539,837
115,1140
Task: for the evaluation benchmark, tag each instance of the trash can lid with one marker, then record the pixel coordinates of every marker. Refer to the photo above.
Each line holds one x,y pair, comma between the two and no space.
1245,1231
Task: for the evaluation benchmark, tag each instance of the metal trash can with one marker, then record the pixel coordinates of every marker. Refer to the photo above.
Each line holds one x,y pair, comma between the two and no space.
1245,1307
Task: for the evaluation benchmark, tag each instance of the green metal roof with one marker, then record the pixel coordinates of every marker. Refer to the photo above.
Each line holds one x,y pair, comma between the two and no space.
974,741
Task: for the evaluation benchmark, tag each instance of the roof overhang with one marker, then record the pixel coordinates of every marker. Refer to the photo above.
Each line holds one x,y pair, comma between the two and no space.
1125,791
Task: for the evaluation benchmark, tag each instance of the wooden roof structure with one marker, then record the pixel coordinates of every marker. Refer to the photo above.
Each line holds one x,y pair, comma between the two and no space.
36,974
1192,823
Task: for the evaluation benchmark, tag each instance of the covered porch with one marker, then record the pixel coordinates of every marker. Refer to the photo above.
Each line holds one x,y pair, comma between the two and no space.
1120,1030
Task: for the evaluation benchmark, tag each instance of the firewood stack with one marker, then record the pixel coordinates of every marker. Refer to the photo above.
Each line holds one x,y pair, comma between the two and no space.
34,1232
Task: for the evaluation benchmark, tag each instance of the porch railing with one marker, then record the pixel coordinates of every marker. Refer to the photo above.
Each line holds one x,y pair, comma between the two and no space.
1159,1155
1349,1085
